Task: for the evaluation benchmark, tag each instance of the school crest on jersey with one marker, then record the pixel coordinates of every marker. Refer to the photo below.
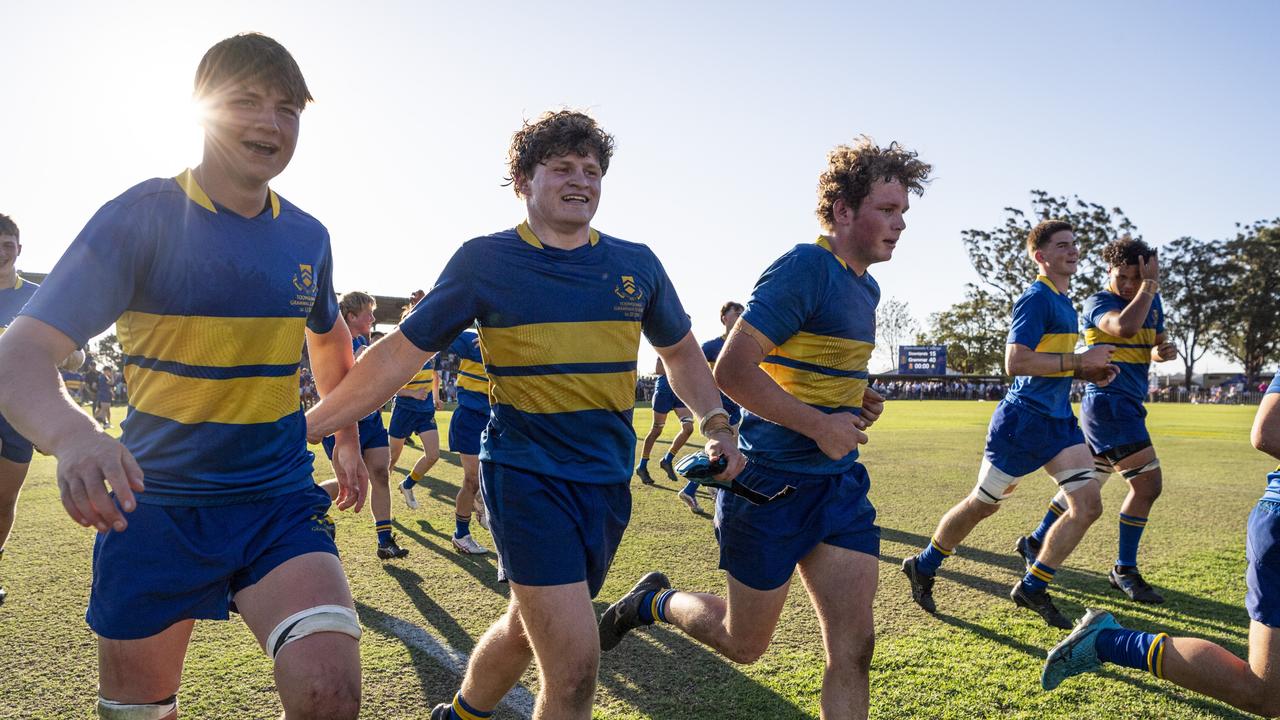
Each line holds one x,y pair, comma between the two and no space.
628,290
304,281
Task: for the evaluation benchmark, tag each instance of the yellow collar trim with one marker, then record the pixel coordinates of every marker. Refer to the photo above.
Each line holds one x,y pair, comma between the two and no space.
1045,279
825,244
187,181
527,234
17,285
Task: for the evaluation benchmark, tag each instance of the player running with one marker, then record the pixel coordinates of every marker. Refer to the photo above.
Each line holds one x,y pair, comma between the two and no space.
665,401
213,280
1129,316
1192,663
561,308
1033,427
797,362
466,427
414,413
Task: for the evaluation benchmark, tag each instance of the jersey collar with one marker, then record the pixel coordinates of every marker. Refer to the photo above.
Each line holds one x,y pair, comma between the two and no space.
1045,279
17,285
825,244
527,234
187,181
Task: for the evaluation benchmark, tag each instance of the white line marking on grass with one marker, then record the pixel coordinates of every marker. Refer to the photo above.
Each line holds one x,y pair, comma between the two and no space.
519,700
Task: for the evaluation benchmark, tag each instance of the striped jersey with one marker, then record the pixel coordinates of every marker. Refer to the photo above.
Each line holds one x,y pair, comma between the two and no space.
1045,321
210,309
473,381
559,334
421,380
1273,480
821,315
1133,354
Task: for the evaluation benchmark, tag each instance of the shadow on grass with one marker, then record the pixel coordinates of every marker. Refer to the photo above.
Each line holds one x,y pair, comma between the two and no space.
480,567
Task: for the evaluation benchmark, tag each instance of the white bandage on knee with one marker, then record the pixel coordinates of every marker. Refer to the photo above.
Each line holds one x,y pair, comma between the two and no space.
686,421
1138,471
1102,470
112,710
321,618
1071,480
994,484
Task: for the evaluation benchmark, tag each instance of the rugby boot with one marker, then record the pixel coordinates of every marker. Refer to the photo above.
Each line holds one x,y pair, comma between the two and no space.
665,464
1129,581
1041,603
921,585
391,551
623,616
1078,653
642,472
1028,549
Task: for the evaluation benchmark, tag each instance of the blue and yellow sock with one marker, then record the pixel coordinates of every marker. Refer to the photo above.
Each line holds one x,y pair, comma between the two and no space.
690,489
1038,577
383,528
1131,527
462,711
668,457
1051,516
1133,649
408,482
930,559
644,463
653,606
461,526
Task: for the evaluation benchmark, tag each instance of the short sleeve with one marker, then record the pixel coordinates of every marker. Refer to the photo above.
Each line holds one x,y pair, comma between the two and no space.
1030,318
448,307
1275,384
95,280
784,297
665,322
324,312
1097,306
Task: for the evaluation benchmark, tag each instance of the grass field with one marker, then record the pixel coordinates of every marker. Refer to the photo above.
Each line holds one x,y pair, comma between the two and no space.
979,658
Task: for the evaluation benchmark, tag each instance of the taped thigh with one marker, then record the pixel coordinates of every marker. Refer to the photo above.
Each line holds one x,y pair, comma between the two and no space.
1132,473
112,710
994,484
1070,481
318,619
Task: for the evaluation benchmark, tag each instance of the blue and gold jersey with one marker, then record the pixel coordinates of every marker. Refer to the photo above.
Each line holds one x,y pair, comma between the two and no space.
1045,321
359,343
1273,480
1133,354
74,381
821,315
473,381
559,333
210,309
12,299
421,380
711,350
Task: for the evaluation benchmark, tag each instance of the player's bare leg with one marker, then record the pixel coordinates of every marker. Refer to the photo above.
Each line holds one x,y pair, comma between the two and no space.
145,671
842,584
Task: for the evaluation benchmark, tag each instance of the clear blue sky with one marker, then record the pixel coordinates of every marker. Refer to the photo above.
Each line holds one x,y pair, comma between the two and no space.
723,114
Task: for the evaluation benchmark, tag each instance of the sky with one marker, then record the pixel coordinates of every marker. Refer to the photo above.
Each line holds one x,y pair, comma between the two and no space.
723,114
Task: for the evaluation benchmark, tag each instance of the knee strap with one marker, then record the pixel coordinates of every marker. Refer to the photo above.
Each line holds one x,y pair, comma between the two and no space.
994,484
1072,480
1102,470
686,421
1135,472
112,710
321,618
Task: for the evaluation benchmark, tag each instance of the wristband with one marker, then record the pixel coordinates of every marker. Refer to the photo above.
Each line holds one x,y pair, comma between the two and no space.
1149,286
717,419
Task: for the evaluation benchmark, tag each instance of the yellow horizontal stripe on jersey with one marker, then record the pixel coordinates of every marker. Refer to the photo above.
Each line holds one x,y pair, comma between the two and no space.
815,388
826,351
544,394
1094,336
1136,356
188,400
559,343
474,385
1058,343
212,341
471,366
421,380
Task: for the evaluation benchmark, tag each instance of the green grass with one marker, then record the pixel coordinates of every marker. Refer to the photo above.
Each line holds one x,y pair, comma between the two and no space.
980,658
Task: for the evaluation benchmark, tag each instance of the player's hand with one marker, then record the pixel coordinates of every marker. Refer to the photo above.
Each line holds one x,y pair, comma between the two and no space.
85,462
348,465
1149,268
1095,359
838,435
439,404
1101,377
872,408
417,394
1166,351
724,443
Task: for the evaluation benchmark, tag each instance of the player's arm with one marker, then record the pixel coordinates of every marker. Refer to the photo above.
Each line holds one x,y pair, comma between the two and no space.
691,380
331,360
1266,425
382,369
1127,322
1163,350
436,397
34,400
1092,364
739,374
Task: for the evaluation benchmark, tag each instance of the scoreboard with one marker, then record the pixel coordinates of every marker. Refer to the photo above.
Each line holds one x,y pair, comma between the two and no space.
922,360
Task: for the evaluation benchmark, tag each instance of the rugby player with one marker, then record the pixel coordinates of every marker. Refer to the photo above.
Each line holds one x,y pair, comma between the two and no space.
357,310
1192,663
1033,427
797,363
561,307
665,401
15,450
1128,314
211,278
466,427
414,413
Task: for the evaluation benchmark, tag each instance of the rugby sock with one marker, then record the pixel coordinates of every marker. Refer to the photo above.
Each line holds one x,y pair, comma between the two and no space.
1131,528
1051,516
408,482
416,476
462,711
1038,577
461,526
690,489
383,528
653,606
1133,649
644,463
930,559
668,457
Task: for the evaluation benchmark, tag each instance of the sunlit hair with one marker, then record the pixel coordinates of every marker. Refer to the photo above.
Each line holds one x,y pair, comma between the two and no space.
355,302
8,226
851,170
1040,234
731,305
1124,250
246,59
554,134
